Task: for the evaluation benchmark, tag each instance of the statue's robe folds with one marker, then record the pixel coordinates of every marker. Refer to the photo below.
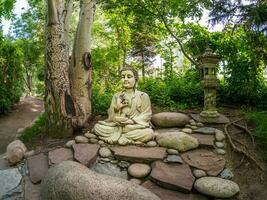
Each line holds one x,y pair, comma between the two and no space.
138,110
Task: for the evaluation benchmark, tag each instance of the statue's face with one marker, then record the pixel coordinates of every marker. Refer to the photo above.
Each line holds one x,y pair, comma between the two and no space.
128,79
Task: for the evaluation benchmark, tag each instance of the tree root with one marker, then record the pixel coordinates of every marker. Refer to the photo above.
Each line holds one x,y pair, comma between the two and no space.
235,148
246,130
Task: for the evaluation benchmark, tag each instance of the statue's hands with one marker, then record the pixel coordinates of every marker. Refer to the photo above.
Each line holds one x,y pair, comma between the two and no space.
128,121
120,119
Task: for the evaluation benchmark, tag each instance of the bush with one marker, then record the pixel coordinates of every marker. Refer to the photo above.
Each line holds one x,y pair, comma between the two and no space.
11,74
259,119
180,91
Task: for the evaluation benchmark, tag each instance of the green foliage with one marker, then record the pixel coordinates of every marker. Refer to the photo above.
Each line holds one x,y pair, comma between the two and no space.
259,119
181,91
6,7
36,129
11,74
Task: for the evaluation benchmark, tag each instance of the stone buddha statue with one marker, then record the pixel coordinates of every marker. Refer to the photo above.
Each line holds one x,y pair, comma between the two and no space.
129,114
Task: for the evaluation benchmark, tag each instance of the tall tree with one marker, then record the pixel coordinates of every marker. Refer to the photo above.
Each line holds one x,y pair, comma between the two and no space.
67,100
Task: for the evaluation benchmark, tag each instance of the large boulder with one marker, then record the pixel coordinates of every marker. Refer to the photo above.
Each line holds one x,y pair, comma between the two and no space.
15,152
216,187
170,119
177,140
70,181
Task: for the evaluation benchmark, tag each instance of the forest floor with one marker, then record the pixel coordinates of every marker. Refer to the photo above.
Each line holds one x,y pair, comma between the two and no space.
21,116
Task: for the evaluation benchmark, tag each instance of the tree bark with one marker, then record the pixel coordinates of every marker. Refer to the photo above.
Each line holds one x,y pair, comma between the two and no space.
58,103
80,67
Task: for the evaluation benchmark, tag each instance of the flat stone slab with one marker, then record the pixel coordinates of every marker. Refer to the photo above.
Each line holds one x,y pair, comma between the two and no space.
86,154
58,155
217,120
205,130
31,191
38,167
165,194
139,154
9,180
172,176
3,163
204,140
110,169
206,160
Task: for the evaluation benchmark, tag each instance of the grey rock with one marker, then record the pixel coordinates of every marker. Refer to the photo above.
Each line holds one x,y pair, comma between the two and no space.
220,151
93,141
114,161
81,139
70,181
193,123
70,143
15,152
216,187
124,164
101,142
205,130
110,169
193,127
172,152
227,174
199,124
169,119
139,170
105,159
151,144
187,130
90,135
219,135
174,159
177,140
219,144
9,180
198,173
105,152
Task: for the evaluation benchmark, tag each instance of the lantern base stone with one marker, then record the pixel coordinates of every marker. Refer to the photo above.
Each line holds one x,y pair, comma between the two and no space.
221,119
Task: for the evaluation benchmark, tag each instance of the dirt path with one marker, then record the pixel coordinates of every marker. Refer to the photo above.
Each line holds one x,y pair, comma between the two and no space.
22,115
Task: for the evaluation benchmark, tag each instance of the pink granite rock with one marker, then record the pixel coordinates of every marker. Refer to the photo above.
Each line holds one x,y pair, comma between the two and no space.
206,160
139,154
172,176
86,154
58,155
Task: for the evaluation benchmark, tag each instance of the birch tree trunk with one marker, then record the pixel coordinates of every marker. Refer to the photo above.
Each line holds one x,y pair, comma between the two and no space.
59,106
80,65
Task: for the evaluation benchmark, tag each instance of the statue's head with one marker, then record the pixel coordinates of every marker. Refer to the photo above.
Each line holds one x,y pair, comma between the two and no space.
129,77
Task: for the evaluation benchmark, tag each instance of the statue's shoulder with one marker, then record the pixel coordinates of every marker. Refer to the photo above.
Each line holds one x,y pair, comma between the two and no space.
140,93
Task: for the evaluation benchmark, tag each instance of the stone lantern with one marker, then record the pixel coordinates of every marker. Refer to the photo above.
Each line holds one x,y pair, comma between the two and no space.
208,66
208,62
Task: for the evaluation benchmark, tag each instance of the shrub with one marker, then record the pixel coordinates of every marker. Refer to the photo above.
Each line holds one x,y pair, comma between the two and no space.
11,74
